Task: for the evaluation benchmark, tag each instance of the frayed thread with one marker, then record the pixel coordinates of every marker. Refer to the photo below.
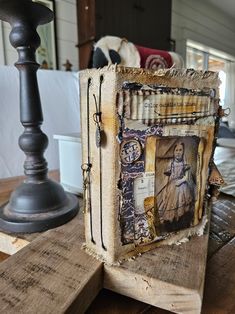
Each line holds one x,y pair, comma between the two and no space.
99,257
184,236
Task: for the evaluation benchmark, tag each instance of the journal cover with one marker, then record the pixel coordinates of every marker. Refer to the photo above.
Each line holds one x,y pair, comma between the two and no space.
148,139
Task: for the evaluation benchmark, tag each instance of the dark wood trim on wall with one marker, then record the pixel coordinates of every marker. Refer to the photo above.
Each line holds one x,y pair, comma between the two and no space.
86,30
144,22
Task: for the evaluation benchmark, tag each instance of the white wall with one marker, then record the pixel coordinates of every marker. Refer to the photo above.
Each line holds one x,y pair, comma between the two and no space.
2,54
67,36
201,22
67,33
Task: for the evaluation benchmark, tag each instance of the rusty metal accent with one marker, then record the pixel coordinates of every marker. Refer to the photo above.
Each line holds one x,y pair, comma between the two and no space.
130,151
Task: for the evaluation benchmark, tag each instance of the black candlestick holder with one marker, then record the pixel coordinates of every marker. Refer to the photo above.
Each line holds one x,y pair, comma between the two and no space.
38,203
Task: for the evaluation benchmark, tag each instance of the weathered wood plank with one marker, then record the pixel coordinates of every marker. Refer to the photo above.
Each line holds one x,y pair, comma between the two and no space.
29,271
11,243
3,256
155,310
115,303
215,243
51,275
220,282
170,277
222,226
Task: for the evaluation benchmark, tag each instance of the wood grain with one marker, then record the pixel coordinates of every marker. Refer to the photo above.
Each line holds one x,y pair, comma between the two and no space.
220,282
11,243
3,256
51,261
219,296
222,226
170,277
115,303
51,275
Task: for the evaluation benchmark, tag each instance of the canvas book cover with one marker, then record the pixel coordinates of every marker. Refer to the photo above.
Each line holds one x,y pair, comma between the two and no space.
148,139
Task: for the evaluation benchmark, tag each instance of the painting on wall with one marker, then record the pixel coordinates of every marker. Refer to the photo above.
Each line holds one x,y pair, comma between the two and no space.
47,52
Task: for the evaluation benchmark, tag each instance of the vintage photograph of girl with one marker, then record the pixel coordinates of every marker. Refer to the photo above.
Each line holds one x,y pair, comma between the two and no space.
176,165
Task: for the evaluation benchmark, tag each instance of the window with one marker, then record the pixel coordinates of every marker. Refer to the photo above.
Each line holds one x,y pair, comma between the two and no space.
200,59
195,59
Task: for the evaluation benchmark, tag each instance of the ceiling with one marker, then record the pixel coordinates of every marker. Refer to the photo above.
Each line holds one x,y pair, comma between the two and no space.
227,6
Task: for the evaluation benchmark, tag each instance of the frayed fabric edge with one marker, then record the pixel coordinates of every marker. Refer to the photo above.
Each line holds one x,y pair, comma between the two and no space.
98,256
186,234
177,238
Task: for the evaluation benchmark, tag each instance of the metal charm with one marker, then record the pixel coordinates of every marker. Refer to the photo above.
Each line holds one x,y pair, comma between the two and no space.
98,137
131,151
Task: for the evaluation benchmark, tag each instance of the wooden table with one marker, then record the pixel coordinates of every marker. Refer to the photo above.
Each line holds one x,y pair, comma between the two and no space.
219,295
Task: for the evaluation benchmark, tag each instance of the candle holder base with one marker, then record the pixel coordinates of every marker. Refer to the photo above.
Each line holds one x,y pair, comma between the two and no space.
37,207
38,203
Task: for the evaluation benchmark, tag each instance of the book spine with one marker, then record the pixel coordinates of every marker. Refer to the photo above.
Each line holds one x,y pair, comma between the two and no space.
99,128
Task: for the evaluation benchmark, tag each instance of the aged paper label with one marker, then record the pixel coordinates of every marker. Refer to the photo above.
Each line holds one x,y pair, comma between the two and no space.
167,106
143,188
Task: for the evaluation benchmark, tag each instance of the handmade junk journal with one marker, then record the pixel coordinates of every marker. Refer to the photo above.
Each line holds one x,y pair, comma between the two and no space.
148,139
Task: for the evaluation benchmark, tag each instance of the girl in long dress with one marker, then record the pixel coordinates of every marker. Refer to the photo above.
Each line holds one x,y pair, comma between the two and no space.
176,199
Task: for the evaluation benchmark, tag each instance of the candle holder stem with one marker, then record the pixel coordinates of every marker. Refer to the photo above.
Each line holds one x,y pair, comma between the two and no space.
38,203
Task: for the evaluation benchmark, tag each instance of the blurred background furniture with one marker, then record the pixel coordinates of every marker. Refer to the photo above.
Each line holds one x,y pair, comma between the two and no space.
113,49
70,156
